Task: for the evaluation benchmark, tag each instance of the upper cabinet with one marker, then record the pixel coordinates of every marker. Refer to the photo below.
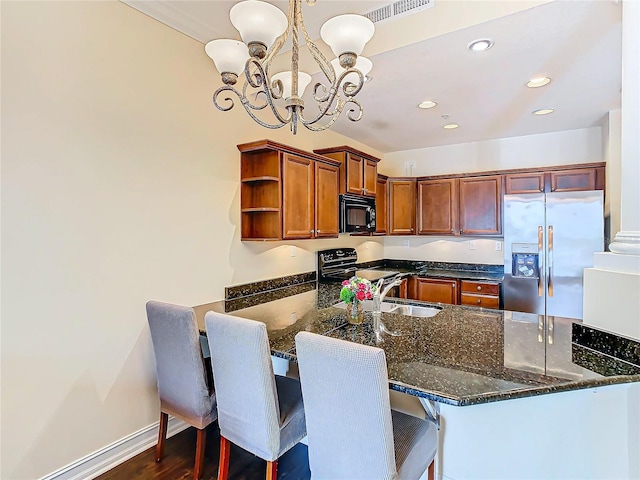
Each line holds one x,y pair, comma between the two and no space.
358,170
438,207
481,205
286,193
402,206
570,178
382,204
460,206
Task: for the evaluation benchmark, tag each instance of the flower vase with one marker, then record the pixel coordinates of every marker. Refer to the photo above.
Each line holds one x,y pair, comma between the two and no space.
355,313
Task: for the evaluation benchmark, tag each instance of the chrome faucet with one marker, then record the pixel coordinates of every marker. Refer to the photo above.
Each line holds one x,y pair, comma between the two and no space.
397,281
378,296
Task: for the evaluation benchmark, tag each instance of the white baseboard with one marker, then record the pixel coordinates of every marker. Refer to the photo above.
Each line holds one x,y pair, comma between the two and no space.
118,452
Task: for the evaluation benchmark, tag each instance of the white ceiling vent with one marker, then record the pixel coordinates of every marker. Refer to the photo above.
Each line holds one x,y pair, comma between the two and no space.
398,9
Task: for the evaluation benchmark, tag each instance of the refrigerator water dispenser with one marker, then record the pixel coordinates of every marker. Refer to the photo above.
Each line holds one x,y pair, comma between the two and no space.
524,260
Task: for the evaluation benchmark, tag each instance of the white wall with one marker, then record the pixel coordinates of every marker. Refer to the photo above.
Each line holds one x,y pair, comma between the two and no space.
120,183
559,148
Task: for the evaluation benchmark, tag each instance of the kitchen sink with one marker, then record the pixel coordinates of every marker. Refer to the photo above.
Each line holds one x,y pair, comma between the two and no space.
415,311
398,308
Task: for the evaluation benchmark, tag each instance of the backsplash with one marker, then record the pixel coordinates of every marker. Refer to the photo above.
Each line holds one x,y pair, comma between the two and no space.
255,293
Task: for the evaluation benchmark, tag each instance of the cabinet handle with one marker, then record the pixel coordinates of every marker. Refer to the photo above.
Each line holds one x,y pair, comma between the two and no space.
479,287
311,231
318,231
411,229
453,285
479,302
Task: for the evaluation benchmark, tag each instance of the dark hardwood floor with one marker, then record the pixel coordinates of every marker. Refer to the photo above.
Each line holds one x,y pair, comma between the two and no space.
179,457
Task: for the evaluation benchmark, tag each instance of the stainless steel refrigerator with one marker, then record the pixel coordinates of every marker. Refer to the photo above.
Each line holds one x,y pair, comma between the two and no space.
549,239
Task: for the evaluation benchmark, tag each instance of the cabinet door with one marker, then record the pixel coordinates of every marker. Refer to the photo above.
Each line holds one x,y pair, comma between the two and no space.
370,175
297,197
437,207
481,205
573,180
524,183
355,180
327,178
441,290
402,207
382,212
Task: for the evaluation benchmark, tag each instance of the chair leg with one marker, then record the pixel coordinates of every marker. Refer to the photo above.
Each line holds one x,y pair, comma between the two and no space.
272,470
162,435
201,443
223,464
431,470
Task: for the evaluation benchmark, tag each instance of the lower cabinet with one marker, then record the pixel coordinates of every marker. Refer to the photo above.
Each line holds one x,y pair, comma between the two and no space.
441,290
480,294
445,290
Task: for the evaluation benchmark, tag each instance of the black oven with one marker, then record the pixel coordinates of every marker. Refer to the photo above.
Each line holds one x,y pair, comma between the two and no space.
357,214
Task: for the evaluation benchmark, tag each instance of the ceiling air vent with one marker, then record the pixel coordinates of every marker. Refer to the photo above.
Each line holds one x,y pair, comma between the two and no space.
398,9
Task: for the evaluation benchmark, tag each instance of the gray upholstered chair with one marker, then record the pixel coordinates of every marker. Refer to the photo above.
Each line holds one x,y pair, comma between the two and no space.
258,411
352,431
182,384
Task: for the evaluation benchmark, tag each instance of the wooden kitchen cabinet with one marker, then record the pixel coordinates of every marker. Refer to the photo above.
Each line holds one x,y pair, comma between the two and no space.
358,170
441,290
402,206
573,180
480,294
382,204
524,183
557,179
438,207
287,193
480,208
326,200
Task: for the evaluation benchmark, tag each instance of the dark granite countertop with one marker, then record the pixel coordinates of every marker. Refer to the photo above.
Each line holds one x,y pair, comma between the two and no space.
462,355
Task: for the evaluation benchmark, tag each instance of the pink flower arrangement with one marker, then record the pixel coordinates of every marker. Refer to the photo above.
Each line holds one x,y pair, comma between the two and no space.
356,289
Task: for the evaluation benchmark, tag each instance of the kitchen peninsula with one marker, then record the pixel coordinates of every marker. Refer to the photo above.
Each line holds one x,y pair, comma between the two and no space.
493,363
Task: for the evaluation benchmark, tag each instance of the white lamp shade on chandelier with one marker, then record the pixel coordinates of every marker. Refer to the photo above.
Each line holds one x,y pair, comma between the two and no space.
347,33
304,79
258,21
362,63
228,55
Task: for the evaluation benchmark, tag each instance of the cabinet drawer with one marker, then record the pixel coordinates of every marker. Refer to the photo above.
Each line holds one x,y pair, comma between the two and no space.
486,301
482,288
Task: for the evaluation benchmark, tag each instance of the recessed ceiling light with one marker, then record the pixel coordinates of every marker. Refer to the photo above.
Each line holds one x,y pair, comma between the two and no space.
538,82
480,45
543,111
427,104
451,126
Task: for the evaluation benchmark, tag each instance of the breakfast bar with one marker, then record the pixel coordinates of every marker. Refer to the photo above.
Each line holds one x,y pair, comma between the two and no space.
535,399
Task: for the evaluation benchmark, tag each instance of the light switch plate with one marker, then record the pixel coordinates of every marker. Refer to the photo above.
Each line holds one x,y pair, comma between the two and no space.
472,244
498,245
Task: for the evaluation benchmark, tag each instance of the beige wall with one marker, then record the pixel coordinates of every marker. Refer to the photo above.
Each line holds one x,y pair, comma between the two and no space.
119,184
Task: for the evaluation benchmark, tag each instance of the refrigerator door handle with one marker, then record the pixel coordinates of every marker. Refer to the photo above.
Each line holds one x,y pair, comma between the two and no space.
550,331
540,256
550,260
540,328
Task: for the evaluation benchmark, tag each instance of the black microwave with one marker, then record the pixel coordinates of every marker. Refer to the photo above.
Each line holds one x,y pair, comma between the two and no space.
357,214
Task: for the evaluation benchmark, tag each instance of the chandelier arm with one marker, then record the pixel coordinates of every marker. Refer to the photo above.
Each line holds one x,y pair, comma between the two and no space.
225,88
311,124
257,81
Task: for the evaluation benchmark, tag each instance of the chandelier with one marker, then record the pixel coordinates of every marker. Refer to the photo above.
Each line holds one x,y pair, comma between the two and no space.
264,29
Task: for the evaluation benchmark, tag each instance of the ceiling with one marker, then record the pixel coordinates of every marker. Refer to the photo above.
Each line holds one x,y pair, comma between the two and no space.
576,43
